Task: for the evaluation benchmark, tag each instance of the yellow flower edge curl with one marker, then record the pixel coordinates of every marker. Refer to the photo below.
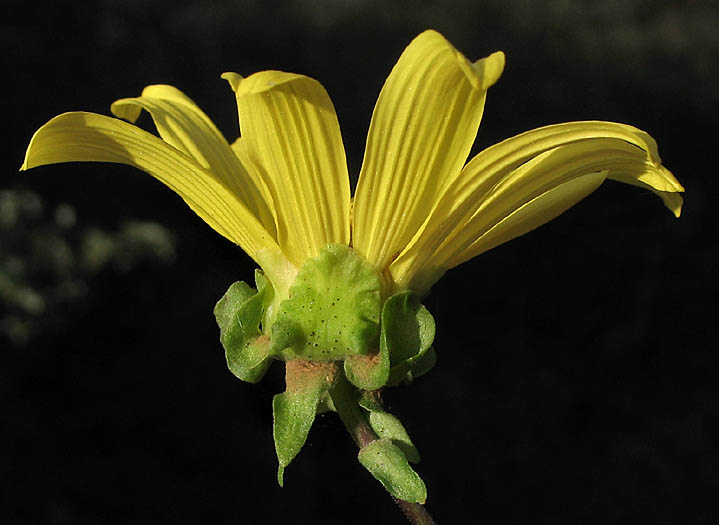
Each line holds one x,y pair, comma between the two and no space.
281,191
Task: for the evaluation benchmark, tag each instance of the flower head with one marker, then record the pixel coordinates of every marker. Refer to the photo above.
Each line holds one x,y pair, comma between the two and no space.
281,191
342,276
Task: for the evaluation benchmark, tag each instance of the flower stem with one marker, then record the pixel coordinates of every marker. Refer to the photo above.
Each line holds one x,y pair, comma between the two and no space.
344,397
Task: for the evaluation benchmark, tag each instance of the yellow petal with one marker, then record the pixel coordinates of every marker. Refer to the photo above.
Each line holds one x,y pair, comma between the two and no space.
82,137
662,178
422,129
290,135
182,124
456,222
537,211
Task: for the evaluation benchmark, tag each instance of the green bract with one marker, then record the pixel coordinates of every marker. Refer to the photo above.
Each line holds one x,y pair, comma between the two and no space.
407,333
333,310
294,410
388,464
239,315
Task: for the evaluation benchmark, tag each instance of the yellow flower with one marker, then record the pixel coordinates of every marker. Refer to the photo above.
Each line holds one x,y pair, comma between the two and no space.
281,191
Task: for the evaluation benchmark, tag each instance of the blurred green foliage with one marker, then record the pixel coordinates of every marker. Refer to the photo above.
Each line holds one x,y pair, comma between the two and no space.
49,259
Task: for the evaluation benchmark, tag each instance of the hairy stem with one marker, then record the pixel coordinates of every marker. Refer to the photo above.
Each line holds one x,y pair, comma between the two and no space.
344,397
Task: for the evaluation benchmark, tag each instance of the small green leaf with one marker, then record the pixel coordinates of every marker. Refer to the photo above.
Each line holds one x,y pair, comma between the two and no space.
388,464
293,413
407,331
333,308
294,410
388,426
239,314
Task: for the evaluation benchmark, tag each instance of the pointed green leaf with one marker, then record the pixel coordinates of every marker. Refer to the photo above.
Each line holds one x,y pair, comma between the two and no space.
293,413
407,331
239,314
332,311
388,464
294,410
388,426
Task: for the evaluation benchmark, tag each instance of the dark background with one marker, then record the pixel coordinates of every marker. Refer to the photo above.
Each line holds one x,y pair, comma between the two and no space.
577,373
